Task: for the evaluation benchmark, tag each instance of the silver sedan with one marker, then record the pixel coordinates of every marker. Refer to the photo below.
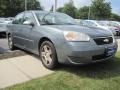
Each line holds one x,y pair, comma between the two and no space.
57,38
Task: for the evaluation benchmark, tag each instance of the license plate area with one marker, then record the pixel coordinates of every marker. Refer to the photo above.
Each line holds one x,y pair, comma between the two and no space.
110,51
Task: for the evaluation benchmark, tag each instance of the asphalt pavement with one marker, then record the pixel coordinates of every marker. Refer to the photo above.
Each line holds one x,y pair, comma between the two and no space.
3,45
6,53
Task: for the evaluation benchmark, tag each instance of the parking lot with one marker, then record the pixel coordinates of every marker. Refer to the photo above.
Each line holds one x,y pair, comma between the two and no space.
3,46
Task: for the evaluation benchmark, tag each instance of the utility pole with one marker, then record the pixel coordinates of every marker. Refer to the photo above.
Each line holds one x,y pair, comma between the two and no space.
89,13
55,7
25,5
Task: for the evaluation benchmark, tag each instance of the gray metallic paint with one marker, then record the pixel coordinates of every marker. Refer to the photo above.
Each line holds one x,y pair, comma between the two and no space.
28,38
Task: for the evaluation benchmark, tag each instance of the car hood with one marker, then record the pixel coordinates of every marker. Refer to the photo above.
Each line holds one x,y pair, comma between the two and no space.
92,32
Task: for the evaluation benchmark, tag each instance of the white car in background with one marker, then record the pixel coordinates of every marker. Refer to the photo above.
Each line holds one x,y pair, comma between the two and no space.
98,24
110,26
115,24
3,25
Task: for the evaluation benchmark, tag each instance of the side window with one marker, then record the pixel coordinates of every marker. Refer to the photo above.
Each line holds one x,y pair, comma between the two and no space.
18,19
92,24
86,23
29,17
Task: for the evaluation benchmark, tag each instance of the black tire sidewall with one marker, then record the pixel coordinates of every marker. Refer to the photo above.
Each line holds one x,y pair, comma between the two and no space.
54,58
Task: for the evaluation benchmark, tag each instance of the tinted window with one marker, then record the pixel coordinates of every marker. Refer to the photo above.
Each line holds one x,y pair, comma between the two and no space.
18,19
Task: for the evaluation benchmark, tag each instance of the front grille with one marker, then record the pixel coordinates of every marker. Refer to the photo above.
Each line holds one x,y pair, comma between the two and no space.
104,40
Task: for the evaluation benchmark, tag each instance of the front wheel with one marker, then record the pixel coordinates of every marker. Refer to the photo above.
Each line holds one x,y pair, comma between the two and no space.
10,43
48,55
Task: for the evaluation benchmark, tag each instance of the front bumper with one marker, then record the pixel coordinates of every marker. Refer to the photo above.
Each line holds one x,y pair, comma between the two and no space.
85,52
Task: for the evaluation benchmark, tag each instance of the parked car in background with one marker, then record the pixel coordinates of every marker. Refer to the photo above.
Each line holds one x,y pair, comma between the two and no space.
115,24
98,24
56,38
111,27
3,25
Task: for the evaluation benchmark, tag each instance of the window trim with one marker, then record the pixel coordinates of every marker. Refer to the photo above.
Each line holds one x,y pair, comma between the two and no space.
36,19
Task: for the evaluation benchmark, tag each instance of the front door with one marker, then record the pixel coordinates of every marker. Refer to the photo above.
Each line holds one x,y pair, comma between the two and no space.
28,31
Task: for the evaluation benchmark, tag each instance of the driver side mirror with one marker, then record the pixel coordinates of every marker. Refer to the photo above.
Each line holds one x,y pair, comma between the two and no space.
29,23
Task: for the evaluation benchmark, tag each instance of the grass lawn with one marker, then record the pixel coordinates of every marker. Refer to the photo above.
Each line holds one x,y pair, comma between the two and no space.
102,76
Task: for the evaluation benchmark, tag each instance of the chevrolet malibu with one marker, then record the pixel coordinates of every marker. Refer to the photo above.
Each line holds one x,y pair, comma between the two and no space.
56,38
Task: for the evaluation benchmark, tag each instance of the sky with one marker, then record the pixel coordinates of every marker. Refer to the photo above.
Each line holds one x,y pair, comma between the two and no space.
47,4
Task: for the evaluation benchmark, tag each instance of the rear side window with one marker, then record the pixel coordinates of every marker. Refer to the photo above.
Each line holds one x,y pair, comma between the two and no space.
19,19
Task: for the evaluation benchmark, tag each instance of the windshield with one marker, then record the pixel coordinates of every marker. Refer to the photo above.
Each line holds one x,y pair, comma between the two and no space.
55,19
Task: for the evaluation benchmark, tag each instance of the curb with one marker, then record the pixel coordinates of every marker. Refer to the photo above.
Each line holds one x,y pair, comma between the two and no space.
12,54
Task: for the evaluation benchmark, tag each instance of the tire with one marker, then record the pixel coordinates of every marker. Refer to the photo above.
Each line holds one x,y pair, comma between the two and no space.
10,43
48,55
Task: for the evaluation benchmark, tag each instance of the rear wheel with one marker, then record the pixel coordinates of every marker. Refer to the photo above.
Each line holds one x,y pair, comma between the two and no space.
10,43
48,55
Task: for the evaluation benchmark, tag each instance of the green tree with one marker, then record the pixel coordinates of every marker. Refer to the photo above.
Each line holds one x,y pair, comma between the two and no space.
60,9
34,5
69,9
9,8
100,9
115,17
83,12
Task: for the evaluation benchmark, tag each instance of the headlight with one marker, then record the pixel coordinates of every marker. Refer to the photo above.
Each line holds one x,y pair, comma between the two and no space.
75,36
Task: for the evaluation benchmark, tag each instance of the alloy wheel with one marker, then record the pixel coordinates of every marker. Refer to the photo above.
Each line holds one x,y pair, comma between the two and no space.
46,54
10,42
